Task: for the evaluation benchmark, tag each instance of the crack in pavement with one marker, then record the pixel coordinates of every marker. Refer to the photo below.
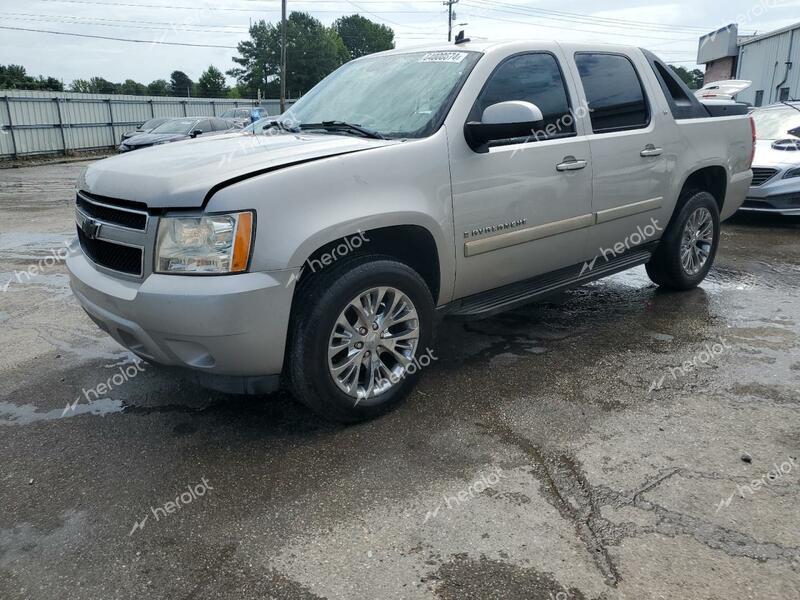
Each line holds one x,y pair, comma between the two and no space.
672,524
569,491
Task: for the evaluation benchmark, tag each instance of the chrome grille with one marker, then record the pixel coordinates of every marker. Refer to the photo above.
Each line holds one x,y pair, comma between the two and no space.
762,175
114,256
122,213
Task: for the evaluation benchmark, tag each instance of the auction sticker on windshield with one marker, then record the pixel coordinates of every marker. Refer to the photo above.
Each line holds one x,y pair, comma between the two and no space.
450,57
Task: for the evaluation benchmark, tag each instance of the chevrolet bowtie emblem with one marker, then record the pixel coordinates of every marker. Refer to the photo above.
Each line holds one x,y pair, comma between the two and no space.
90,228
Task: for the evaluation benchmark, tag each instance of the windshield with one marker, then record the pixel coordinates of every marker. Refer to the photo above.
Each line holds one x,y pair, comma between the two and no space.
176,126
152,123
396,95
775,123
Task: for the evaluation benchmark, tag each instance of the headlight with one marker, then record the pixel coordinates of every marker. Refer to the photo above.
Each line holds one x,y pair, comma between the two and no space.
208,244
792,173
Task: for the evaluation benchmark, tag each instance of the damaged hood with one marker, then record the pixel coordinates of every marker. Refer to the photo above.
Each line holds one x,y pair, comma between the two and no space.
180,175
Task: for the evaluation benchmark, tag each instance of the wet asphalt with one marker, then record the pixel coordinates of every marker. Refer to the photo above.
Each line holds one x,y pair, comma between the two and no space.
603,445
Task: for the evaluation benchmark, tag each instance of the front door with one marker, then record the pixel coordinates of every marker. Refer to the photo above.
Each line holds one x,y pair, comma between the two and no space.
522,208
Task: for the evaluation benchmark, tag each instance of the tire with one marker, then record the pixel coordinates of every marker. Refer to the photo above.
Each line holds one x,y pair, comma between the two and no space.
670,266
329,296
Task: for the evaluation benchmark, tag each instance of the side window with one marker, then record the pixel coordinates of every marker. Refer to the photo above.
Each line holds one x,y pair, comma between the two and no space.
614,92
220,125
204,126
533,78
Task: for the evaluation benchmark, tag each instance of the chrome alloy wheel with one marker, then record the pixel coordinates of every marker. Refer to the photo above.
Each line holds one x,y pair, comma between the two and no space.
373,342
697,241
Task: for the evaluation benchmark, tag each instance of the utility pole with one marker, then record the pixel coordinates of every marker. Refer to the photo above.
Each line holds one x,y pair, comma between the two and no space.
450,18
283,56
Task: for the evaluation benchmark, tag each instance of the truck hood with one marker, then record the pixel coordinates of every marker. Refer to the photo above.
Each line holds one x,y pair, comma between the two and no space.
181,175
767,156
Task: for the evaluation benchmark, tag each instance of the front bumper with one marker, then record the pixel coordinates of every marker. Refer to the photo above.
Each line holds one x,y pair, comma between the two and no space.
222,326
778,195
782,204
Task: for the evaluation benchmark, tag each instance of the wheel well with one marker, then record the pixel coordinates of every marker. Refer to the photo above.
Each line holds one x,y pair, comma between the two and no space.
713,180
409,244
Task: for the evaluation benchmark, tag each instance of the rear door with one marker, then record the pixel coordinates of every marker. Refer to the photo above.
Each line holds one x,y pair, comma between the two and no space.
521,208
630,166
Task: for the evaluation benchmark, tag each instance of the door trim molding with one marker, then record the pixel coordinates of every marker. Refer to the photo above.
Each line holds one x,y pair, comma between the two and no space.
530,234
628,210
538,232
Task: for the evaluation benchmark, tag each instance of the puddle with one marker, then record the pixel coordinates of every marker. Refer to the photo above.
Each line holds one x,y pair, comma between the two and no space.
37,244
25,414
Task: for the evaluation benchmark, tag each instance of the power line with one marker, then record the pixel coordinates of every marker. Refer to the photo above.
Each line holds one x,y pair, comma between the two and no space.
218,8
548,26
104,37
586,18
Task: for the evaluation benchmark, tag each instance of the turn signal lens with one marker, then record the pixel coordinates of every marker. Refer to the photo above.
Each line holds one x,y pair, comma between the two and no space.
241,244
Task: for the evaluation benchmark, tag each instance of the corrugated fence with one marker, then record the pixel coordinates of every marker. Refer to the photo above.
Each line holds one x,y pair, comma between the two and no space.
34,122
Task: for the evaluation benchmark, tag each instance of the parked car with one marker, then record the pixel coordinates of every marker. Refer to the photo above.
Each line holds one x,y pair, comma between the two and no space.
245,116
175,130
776,167
145,127
459,180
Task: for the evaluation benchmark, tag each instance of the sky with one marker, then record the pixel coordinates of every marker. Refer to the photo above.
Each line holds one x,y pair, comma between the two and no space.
670,29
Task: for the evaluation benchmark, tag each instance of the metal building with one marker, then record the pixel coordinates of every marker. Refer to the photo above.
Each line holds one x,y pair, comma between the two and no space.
771,61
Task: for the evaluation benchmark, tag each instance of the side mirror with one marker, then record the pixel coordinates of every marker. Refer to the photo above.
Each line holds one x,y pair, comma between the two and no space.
502,121
795,132
197,132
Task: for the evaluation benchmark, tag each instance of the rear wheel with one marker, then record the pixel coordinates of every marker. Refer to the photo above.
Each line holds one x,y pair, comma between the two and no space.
688,248
359,338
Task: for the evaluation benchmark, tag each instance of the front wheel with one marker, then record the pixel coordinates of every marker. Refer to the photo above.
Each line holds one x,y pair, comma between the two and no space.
688,248
360,337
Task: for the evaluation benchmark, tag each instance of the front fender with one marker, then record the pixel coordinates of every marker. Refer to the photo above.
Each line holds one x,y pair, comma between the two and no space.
304,207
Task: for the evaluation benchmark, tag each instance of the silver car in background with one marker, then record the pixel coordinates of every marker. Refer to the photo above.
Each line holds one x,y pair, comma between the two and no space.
776,167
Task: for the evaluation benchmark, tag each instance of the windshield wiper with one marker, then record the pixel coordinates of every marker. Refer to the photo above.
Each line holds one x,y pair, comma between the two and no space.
343,127
282,125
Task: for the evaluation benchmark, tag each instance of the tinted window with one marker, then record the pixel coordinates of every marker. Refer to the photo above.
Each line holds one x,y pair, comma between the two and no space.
221,125
534,78
204,126
614,92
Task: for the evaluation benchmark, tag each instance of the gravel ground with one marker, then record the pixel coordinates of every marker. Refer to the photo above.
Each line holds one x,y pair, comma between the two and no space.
605,445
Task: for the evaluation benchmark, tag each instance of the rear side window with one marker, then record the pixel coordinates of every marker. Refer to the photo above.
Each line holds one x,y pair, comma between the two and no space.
534,78
614,92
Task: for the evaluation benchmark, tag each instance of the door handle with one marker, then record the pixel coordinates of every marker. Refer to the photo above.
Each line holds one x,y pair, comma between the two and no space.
651,150
571,164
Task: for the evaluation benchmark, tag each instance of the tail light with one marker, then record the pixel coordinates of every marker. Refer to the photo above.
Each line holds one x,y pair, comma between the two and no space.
753,129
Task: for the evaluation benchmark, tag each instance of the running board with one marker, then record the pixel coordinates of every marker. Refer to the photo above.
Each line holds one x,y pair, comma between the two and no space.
486,304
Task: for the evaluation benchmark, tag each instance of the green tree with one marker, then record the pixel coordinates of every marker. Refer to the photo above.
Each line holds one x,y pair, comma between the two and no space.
312,52
180,85
212,83
159,87
693,78
362,36
98,85
132,88
80,85
15,77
